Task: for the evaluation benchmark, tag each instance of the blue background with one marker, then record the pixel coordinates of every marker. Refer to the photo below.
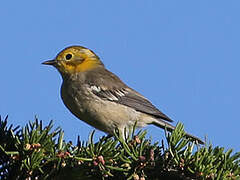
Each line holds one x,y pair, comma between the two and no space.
182,55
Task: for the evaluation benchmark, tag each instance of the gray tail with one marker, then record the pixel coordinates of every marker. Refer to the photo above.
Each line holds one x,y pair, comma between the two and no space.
164,125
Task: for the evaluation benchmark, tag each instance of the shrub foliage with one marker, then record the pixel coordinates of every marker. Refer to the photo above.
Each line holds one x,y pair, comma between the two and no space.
38,152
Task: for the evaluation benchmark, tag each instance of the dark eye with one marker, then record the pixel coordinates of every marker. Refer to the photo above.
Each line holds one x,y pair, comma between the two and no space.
68,56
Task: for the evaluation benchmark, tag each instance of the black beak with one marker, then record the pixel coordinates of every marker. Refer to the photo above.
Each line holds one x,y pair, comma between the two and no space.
50,62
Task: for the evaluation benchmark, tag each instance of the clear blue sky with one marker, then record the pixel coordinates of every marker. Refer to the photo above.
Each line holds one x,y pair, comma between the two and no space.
182,55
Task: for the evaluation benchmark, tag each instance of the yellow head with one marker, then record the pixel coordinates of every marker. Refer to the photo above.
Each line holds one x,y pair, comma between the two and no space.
75,59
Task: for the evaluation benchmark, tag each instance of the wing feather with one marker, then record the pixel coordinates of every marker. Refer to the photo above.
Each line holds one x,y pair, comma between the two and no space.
108,86
130,98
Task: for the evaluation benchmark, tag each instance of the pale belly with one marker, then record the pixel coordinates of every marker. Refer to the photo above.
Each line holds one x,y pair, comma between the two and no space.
101,114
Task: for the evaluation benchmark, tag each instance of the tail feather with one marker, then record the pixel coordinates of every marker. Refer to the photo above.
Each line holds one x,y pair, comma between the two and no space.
164,125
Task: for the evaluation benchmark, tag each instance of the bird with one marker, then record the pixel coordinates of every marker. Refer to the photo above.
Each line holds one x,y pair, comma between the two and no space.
100,98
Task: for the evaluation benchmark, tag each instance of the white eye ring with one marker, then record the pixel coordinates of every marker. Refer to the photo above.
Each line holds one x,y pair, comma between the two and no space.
68,56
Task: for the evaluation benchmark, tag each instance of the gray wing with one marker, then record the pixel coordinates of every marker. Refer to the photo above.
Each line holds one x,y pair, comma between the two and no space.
108,86
130,98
